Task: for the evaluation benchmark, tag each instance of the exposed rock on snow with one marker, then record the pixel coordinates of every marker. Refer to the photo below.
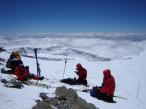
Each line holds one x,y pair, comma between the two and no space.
65,99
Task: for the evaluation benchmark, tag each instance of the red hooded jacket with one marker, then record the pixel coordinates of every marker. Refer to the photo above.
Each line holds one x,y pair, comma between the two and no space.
21,73
82,72
108,83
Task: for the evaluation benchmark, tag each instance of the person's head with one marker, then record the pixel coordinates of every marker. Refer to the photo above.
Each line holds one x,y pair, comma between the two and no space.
17,55
107,73
78,65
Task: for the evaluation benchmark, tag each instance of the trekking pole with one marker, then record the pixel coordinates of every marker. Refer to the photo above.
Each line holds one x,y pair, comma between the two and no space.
84,90
120,97
138,91
88,90
37,64
64,68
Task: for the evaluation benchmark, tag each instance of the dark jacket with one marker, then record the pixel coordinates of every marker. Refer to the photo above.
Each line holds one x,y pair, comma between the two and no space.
13,62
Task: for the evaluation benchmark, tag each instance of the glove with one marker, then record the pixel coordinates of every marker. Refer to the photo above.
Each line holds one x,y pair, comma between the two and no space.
95,87
76,72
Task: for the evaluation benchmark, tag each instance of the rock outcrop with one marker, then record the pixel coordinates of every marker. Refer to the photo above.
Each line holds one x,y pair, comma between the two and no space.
65,99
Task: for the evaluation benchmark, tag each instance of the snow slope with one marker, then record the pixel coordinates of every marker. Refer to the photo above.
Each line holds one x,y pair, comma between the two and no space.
124,57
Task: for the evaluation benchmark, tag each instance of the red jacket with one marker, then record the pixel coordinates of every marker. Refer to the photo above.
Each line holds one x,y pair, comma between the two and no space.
108,83
82,72
21,73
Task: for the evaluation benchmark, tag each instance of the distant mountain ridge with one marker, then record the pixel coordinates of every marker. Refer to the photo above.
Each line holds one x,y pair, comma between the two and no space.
105,36
64,52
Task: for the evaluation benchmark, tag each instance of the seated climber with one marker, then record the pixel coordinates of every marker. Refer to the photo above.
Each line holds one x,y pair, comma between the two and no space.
23,73
13,61
82,75
106,91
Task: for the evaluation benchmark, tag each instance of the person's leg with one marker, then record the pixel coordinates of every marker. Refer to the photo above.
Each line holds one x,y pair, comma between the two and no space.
94,92
109,98
105,97
78,81
31,76
101,96
84,82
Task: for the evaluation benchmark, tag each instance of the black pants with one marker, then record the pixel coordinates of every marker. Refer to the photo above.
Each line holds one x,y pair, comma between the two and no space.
95,92
74,81
84,82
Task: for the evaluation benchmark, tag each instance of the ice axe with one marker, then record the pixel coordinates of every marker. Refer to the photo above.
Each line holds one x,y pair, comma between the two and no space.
64,67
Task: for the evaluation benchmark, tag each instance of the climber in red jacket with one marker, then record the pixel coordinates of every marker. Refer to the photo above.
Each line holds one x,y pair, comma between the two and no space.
106,91
23,73
82,73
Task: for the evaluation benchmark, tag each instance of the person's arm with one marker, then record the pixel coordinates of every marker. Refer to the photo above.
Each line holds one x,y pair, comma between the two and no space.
106,87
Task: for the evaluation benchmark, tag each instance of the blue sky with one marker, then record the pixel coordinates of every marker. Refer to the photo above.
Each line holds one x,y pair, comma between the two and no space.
42,16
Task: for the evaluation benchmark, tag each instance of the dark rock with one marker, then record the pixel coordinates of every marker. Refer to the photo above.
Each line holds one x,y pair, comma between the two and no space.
42,105
69,94
43,95
37,101
17,84
65,99
12,83
60,91
52,101
82,104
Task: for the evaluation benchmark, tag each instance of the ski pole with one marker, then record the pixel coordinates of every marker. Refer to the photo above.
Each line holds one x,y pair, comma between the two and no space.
64,68
37,64
84,90
87,91
120,97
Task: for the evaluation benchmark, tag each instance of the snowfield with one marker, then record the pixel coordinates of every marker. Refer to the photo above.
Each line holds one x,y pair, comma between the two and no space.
123,54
